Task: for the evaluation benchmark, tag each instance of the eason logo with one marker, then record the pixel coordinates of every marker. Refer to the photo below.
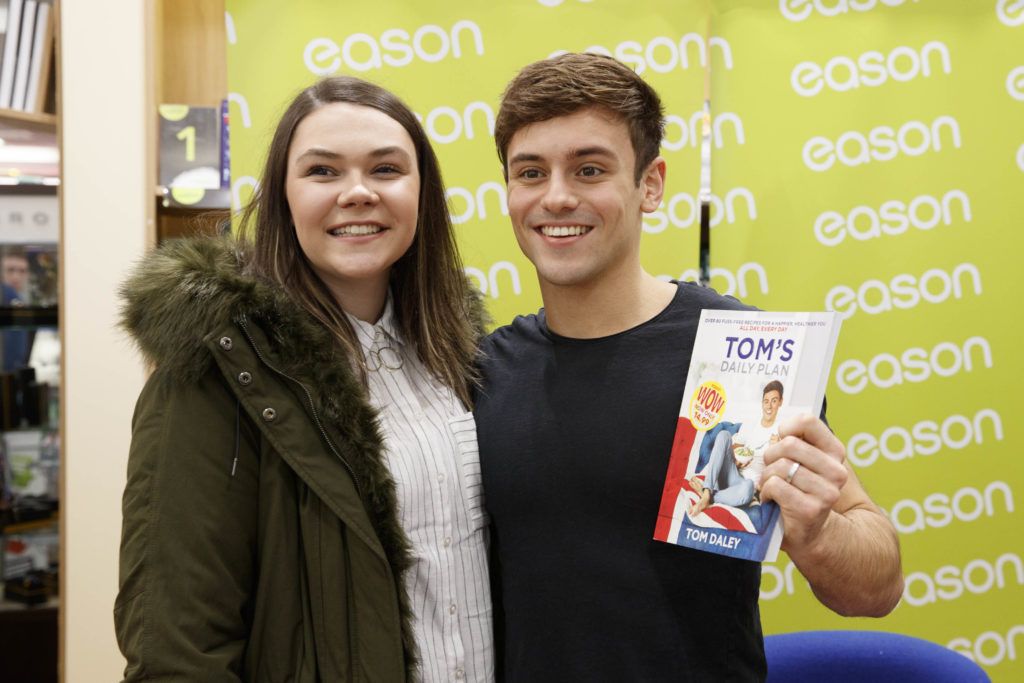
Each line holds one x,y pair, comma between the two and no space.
1010,12
950,582
926,437
798,10
892,218
913,365
883,143
904,291
682,210
938,510
990,648
394,47
679,133
1015,83
662,54
445,125
489,283
727,282
474,205
245,182
872,69
776,582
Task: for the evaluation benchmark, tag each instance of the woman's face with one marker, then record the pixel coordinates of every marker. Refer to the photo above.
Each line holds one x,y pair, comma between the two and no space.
353,188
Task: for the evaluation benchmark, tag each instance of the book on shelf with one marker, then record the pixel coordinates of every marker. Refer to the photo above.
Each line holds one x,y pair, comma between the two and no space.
24,58
29,274
9,58
39,72
749,371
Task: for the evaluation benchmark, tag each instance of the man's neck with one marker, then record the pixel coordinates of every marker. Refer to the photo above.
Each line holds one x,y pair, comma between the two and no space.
605,308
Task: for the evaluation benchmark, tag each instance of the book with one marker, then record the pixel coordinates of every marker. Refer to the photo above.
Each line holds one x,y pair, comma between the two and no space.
25,39
42,53
10,54
3,28
749,371
190,148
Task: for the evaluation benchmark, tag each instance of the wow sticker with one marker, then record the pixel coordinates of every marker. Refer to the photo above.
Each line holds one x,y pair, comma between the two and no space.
707,405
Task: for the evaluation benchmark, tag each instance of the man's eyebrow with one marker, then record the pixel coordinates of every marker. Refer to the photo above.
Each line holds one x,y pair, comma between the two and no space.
592,151
523,156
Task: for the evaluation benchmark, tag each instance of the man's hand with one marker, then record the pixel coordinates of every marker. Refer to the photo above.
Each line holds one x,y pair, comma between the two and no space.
837,537
807,499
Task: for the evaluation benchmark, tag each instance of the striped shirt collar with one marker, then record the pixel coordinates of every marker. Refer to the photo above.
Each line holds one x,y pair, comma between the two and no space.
383,330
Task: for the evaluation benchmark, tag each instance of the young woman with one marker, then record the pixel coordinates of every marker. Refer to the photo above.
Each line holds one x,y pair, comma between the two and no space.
303,496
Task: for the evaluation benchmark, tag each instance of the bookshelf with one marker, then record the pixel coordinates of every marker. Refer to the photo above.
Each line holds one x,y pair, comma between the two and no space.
30,545
39,120
189,67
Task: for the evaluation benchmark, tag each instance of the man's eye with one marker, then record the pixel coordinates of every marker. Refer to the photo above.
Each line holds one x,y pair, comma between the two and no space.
590,171
529,174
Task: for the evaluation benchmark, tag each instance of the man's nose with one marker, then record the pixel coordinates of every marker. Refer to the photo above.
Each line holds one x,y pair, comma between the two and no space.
559,196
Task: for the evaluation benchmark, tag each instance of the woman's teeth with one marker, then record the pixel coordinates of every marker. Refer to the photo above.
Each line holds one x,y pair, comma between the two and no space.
356,230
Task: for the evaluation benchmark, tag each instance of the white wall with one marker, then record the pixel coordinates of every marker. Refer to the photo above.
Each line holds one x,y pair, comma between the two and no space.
105,197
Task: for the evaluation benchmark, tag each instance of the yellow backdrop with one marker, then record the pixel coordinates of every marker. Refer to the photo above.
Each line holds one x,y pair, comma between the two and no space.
867,157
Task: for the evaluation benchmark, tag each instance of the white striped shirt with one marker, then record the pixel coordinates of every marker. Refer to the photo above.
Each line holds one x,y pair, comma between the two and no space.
431,447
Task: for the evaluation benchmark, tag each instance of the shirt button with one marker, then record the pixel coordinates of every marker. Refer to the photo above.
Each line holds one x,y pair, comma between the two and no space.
447,541
460,674
440,478
451,608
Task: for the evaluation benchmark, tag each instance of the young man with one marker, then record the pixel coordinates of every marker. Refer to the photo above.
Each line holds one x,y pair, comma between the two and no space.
733,473
578,409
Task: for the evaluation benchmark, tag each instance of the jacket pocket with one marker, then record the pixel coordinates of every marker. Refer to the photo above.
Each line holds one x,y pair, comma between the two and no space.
468,460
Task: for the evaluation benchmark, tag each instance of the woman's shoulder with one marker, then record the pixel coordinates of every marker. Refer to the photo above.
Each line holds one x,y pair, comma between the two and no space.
186,290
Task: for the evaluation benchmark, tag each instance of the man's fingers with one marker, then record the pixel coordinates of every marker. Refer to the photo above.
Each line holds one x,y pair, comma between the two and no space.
812,430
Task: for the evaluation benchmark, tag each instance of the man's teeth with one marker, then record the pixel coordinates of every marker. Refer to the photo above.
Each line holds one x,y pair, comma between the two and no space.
356,230
564,230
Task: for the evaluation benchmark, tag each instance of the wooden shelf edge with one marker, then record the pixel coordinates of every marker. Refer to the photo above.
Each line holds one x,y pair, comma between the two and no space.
33,118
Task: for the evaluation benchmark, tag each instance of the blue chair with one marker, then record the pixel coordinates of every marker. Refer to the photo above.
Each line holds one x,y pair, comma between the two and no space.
863,656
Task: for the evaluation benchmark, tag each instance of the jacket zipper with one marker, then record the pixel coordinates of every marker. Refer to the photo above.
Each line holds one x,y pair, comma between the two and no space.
309,397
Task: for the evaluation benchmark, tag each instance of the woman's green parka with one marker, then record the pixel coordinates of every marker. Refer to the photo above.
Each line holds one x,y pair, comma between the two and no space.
261,540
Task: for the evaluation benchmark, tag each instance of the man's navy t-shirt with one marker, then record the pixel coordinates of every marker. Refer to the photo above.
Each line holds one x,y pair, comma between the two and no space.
575,437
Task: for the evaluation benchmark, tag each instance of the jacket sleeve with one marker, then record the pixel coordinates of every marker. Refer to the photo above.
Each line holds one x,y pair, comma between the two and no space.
188,544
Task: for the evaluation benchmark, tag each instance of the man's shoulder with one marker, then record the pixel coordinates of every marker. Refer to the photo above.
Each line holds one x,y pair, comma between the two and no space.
696,297
510,339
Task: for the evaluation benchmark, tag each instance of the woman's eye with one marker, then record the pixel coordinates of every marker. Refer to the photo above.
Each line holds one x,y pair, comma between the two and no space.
387,169
319,170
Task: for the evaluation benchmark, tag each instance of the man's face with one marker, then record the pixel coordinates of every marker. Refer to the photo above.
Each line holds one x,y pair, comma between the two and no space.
15,272
573,200
770,406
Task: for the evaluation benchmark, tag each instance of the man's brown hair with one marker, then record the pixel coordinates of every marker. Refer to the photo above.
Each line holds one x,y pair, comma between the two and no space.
563,85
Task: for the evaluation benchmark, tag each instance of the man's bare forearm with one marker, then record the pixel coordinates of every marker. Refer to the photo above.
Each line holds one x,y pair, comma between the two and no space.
854,565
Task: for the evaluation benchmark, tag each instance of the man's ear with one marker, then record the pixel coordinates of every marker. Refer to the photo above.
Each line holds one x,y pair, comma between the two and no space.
652,182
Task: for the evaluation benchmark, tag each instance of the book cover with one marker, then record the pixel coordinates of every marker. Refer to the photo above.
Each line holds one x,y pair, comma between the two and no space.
26,38
42,52
190,149
749,371
10,54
